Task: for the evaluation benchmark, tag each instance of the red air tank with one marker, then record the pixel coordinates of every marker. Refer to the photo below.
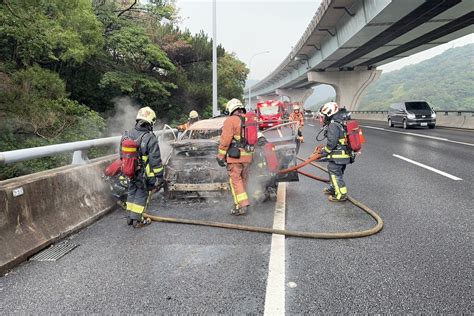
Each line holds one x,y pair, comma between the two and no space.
251,129
354,133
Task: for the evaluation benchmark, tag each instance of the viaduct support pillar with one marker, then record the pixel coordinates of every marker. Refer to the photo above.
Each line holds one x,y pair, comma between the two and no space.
349,85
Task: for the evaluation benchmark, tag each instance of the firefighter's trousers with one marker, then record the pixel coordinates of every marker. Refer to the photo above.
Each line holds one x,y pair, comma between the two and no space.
137,198
336,173
238,175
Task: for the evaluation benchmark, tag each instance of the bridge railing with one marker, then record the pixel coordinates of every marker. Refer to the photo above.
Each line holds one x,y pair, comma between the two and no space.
438,112
79,149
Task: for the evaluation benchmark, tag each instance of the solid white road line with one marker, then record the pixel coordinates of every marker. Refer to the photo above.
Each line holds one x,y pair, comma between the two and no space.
418,135
429,168
275,294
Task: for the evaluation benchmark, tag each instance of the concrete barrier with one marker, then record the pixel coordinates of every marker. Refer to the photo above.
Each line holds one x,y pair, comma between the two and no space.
468,122
450,121
464,122
38,209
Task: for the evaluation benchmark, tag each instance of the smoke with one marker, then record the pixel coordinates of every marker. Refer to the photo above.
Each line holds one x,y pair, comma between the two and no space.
124,118
125,113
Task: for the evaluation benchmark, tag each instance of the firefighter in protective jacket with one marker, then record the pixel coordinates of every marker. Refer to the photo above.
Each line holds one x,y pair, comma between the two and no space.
336,151
149,171
297,116
193,118
235,156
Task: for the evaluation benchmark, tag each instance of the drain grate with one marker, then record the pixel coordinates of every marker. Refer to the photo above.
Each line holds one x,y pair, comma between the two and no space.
54,253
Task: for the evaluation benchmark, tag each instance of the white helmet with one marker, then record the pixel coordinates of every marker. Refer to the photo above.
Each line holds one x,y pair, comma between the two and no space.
193,114
233,105
296,107
147,114
329,109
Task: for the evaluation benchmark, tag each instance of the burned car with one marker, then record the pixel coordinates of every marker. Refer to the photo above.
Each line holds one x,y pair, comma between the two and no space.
191,169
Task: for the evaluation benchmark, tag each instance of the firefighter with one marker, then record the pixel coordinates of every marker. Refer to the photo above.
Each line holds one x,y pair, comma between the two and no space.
149,171
193,118
233,155
336,150
262,183
297,116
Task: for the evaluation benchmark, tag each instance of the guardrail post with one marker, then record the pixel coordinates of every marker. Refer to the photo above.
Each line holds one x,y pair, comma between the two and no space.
79,157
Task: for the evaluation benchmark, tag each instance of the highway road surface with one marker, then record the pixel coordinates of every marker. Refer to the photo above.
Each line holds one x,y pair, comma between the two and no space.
420,181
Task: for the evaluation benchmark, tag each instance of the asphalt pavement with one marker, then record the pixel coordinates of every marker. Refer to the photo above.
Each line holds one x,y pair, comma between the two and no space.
421,262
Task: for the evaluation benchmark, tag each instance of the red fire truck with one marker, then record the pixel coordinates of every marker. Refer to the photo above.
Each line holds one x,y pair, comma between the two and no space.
269,113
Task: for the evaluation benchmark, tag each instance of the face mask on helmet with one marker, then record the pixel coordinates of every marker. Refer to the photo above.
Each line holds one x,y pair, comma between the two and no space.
324,119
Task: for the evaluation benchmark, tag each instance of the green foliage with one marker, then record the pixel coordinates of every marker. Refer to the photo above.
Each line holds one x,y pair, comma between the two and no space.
231,76
64,62
39,114
445,81
48,31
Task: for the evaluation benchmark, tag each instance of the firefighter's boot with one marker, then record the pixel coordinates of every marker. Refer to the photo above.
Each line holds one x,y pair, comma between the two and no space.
141,223
243,210
236,211
333,198
329,191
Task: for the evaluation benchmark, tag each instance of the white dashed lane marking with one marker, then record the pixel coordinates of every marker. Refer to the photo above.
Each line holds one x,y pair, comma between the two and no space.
418,135
428,167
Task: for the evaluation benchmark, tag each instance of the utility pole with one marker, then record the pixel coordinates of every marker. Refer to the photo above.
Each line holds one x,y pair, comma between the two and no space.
214,61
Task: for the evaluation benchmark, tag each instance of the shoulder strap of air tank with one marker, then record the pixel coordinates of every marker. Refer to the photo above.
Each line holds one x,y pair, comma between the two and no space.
242,129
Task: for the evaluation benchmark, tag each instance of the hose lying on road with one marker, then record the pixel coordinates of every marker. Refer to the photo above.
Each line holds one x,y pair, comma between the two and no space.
317,235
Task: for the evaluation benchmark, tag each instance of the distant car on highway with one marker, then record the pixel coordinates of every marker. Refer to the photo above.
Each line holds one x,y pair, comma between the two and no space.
411,113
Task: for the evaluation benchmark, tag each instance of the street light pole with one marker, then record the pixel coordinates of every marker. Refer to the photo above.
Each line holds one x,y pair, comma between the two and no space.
214,60
250,66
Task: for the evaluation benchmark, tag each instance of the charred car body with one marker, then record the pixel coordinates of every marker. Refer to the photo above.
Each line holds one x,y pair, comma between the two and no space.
191,169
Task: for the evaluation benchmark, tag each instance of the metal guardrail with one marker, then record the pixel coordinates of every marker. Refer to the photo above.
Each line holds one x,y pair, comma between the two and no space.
79,149
446,112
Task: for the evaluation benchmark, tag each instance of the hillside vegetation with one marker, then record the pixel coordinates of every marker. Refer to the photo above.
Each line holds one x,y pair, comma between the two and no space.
446,81
65,66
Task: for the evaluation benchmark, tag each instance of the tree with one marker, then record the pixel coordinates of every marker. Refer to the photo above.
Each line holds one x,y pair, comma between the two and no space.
39,113
48,32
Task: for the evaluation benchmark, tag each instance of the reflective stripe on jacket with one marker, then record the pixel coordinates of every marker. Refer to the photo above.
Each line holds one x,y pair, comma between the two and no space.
336,148
231,132
297,117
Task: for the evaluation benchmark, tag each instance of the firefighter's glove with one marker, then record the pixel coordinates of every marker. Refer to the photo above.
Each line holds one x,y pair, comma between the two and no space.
318,150
221,162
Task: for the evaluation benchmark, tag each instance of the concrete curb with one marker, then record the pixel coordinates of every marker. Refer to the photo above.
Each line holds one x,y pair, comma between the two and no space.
54,204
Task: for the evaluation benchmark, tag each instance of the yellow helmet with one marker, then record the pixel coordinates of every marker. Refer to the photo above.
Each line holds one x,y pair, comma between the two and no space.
193,114
147,114
233,105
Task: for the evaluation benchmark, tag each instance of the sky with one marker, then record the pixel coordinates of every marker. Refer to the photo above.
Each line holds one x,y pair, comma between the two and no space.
248,27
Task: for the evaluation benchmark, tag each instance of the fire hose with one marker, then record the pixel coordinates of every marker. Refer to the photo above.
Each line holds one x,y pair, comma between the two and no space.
315,235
